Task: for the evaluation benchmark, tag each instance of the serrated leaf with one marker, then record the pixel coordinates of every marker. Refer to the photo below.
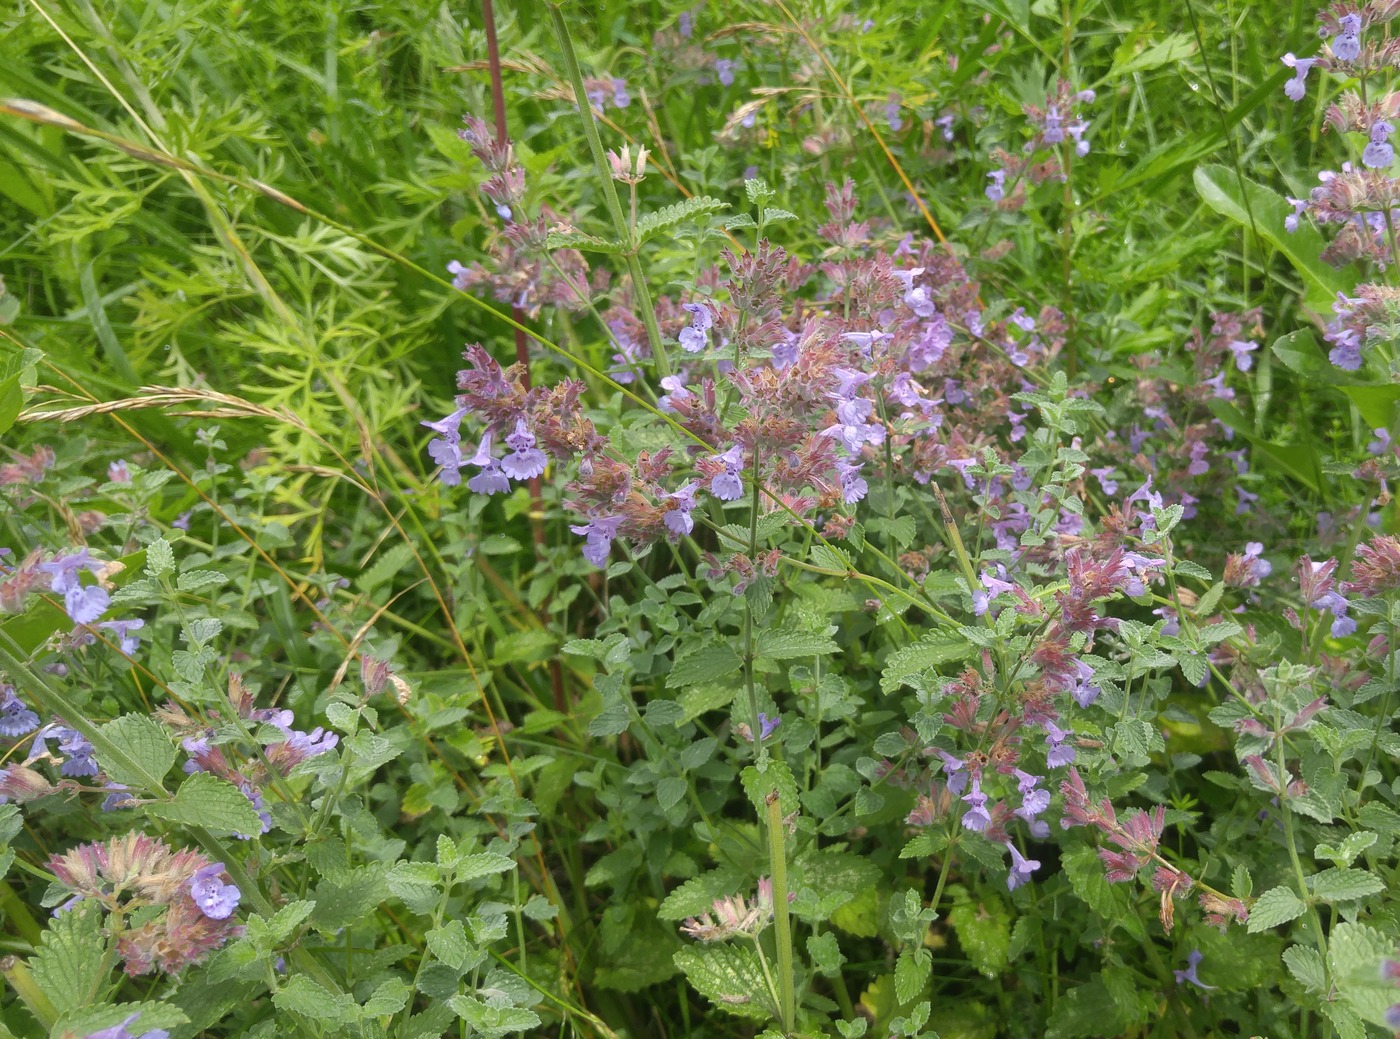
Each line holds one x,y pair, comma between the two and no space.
213,803
198,580
450,944
1344,885
708,664
930,651
575,239
160,559
416,884
146,745
911,975
1351,846
493,1020
301,995
730,977
69,964
483,864
670,791
984,931
1275,906
698,894
1305,964
388,998
786,643
664,220
762,779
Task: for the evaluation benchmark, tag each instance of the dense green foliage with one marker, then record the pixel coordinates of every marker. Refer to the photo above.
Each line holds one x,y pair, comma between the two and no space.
945,398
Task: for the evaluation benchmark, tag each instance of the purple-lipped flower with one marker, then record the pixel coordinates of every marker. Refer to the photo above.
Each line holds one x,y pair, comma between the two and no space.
1059,751
996,190
678,520
1297,86
1021,868
525,460
122,629
492,479
1300,206
767,725
696,336
853,485
976,818
1346,45
724,71
120,1031
16,718
727,485
214,898
1379,153
1193,960
598,537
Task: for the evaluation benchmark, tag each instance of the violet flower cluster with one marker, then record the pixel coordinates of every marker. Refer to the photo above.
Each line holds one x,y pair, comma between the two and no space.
130,876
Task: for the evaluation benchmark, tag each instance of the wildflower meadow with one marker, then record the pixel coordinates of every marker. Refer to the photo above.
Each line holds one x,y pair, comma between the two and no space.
699,519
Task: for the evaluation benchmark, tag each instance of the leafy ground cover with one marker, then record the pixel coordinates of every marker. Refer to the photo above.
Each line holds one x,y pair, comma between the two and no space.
705,520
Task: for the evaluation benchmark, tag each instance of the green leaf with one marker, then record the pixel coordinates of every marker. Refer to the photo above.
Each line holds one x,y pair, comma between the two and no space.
301,995
698,894
1344,885
1275,906
767,776
1345,853
159,558
730,977
984,931
572,238
147,746
493,1020
198,580
912,972
930,651
1305,964
69,965
825,953
672,216
786,643
213,803
1300,352
1253,205
417,884
707,664
670,791
450,944
11,400
388,998
484,864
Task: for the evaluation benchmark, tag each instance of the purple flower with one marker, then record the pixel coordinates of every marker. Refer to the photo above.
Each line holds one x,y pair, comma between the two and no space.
120,1032
916,298
674,385
1060,753
767,725
1084,691
525,460
215,899
853,485
945,123
1242,350
1379,154
685,24
1346,45
956,771
84,604
727,486
1381,444
892,113
128,643
445,449
1104,475
1295,87
16,718
678,520
491,479
696,336
598,534
117,472
74,748
1021,868
976,818
996,190
1193,960
620,96
1300,206
724,71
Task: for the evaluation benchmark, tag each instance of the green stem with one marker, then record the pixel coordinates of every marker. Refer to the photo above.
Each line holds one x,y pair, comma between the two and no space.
641,294
781,922
16,972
